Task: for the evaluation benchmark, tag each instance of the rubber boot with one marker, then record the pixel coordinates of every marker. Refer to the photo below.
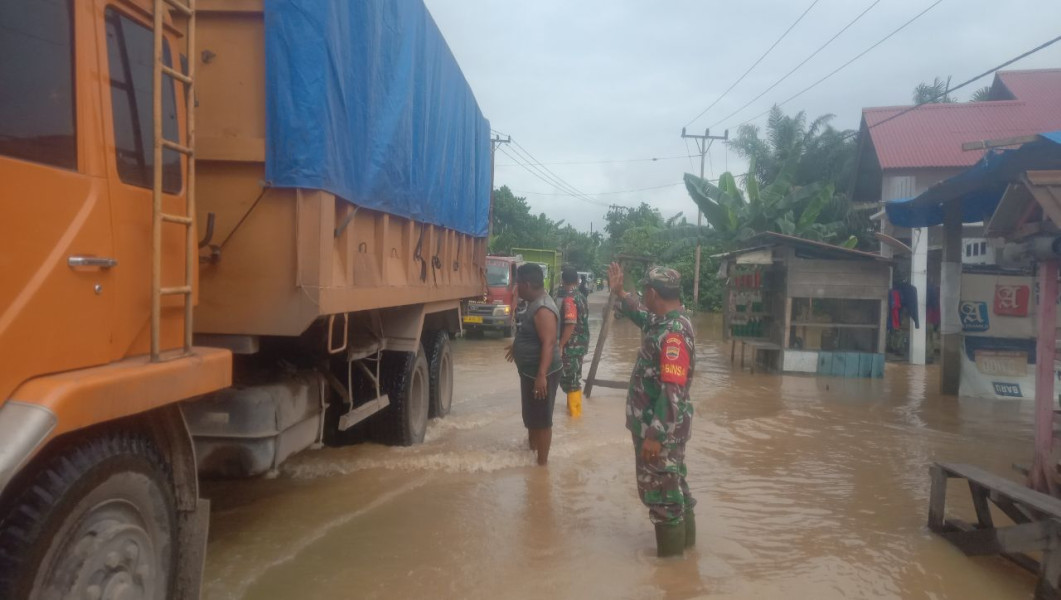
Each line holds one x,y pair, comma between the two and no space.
574,403
690,529
670,539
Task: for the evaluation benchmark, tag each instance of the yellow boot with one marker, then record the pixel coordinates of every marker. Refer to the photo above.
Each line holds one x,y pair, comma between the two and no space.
574,403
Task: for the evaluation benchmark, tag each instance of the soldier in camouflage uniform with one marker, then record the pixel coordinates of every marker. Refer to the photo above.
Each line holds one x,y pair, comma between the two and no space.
658,411
574,338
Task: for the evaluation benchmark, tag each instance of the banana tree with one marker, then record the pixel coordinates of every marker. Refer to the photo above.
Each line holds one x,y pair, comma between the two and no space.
780,207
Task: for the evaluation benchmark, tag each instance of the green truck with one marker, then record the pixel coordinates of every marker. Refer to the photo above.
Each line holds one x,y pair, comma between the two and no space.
550,260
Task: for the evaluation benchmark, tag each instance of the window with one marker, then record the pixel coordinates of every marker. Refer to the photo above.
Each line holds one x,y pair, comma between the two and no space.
498,275
37,82
983,248
129,52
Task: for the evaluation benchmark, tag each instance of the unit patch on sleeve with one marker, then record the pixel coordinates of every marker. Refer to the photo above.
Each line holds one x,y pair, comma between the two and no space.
570,310
674,359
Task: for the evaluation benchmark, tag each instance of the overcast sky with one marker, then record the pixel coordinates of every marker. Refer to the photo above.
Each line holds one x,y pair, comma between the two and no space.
607,80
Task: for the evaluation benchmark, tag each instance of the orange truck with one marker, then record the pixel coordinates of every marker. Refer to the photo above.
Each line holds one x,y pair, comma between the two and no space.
232,230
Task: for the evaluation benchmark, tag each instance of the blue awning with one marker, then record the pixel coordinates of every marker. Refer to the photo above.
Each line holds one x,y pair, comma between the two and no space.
980,187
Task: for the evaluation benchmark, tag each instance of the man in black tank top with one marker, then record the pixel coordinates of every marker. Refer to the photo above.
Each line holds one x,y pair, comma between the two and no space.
536,352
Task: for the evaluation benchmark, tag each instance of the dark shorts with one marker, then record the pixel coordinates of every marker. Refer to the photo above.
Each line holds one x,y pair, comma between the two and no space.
538,412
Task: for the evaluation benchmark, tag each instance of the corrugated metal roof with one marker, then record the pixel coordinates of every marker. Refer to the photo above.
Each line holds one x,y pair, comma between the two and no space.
932,135
768,239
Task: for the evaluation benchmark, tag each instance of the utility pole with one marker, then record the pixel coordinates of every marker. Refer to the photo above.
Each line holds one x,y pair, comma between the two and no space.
703,144
494,143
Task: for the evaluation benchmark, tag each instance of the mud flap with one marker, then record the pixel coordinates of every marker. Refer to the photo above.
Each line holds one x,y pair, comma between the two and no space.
193,527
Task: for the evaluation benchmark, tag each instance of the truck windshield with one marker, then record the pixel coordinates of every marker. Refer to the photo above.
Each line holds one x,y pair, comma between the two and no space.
498,275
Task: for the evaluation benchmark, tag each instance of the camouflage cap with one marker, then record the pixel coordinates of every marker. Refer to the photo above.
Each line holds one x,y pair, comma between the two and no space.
662,278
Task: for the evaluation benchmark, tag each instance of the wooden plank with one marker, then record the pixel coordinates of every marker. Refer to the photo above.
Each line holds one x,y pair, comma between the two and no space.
1041,502
951,526
838,291
1049,574
1043,466
834,325
983,510
787,325
1011,510
999,143
602,337
937,499
1016,539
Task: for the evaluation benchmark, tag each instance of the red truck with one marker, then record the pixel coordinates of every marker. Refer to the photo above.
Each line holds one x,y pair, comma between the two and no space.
496,310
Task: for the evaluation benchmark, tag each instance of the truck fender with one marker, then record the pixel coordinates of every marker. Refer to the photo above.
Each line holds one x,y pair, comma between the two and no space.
51,405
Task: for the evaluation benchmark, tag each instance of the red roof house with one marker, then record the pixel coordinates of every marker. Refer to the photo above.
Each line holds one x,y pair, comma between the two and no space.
924,145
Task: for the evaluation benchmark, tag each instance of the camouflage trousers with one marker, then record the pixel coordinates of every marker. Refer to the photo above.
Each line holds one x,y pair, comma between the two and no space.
571,378
661,483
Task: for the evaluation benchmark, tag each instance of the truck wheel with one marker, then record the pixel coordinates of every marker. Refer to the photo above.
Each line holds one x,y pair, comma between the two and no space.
440,369
407,383
97,521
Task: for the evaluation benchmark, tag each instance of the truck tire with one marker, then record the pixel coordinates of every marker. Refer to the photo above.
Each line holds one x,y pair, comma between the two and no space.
96,520
440,371
406,382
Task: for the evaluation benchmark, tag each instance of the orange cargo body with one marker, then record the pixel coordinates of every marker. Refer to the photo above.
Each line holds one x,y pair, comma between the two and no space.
285,257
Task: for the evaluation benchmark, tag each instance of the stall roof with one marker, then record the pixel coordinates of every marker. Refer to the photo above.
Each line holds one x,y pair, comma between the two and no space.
978,188
808,248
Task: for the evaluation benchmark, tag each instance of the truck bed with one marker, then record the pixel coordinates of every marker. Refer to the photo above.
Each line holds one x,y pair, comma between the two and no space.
283,254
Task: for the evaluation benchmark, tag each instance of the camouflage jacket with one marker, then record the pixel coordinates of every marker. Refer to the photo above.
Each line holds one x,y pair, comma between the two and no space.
657,402
574,309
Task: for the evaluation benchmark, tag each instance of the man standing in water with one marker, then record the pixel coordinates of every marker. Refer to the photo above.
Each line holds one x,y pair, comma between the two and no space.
574,338
536,352
658,412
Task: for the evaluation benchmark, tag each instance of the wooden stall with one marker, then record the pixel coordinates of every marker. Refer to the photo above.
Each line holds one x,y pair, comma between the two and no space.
796,305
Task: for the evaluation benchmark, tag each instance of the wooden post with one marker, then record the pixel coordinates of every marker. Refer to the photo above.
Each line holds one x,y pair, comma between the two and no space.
937,499
1043,468
606,325
949,297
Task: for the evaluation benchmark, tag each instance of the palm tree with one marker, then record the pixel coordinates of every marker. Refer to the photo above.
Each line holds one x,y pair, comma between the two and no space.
822,153
981,95
937,92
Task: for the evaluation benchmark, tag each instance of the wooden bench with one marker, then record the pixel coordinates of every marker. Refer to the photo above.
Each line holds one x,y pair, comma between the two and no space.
1036,517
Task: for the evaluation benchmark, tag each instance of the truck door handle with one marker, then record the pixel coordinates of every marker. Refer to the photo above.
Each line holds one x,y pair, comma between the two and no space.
91,261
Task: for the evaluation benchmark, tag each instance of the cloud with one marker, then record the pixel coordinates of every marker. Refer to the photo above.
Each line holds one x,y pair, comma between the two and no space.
597,80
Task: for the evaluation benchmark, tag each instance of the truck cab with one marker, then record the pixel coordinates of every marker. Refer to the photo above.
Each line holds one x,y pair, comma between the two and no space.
496,310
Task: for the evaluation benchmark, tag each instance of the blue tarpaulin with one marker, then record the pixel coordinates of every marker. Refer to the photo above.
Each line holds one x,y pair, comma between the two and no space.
980,187
366,101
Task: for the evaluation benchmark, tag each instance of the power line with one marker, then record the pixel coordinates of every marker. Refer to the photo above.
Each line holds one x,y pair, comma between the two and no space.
797,67
546,169
611,161
969,81
530,161
551,182
645,189
755,64
846,64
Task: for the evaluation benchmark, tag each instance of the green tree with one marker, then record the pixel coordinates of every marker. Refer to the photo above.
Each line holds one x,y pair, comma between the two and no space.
515,227
937,92
811,212
981,95
621,218
822,154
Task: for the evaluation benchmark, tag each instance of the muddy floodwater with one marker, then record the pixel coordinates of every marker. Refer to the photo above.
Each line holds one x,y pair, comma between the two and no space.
808,488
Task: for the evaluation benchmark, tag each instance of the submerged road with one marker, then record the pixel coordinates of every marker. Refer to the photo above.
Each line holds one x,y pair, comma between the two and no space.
808,488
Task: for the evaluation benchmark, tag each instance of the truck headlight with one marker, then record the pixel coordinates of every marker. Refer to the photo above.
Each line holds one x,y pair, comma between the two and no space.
502,311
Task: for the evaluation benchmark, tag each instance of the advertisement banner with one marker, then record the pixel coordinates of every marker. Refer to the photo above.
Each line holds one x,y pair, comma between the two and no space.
999,329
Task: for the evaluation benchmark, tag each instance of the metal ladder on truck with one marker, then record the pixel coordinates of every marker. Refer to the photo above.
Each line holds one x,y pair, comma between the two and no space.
159,217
